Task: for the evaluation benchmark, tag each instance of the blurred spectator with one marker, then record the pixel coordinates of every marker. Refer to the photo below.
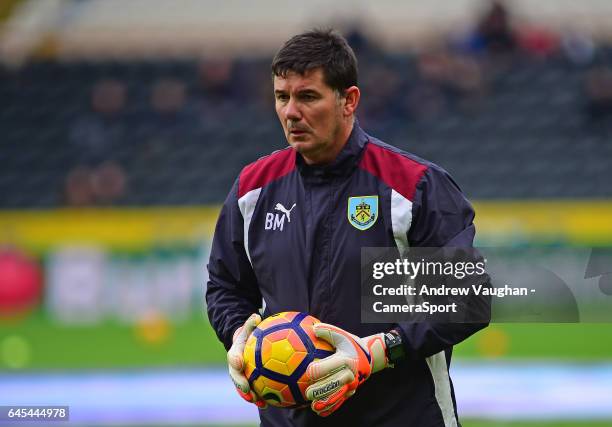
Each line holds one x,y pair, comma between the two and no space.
382,84
435,66
357,40
170,118
467,82
364,47
446,79
217,89
78,189
108,183
538,41
216,78
494,41
494,32
108,97
428,99
578,48
102,185
95,133
598,87
168,96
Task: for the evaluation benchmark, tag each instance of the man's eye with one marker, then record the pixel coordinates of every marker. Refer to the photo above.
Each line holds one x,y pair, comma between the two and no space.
283,98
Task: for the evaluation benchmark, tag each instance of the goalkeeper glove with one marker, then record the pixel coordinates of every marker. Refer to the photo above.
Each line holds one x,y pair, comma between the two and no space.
236,361
338,376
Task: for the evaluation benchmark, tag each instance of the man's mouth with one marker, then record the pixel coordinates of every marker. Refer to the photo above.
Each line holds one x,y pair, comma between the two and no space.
296,129
297,132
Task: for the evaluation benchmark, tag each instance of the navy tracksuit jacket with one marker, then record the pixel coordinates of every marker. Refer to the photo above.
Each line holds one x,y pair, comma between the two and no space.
284,237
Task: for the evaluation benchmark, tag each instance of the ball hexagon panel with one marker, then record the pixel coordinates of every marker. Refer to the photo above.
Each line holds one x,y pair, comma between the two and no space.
273,392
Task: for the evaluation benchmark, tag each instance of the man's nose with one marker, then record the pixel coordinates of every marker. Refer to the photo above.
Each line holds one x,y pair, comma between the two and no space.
292,111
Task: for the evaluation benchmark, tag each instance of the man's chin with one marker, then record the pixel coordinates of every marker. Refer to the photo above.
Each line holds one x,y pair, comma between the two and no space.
310,152
300,143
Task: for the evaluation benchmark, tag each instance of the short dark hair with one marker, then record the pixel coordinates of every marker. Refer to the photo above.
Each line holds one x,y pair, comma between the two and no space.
318,48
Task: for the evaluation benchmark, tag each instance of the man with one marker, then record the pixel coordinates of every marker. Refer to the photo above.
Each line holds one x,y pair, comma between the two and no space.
284,240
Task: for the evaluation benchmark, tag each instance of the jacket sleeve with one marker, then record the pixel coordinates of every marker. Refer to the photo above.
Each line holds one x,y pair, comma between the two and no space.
442,217
232,291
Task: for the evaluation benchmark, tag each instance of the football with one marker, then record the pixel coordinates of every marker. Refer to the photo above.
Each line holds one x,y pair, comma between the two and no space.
277,355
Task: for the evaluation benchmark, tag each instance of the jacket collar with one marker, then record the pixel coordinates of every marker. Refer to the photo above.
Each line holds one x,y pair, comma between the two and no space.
345,162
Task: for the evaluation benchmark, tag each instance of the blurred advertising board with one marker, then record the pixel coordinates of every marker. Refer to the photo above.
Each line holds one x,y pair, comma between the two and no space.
127,263
100,264
113,287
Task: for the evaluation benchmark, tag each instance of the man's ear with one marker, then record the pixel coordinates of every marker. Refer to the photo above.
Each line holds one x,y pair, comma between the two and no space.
352,96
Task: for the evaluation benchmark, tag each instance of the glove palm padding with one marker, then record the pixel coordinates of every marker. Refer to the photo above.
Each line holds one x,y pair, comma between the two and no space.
337,377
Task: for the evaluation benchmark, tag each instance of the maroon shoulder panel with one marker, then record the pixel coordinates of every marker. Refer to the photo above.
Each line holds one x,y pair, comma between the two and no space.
266,170
397,171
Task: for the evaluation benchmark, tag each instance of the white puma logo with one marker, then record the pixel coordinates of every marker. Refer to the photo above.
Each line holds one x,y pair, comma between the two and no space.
281,208
275,221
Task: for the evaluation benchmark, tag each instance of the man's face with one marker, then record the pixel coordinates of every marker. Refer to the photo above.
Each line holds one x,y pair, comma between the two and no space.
311,113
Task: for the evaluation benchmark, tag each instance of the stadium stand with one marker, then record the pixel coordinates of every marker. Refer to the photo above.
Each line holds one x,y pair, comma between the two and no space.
166,126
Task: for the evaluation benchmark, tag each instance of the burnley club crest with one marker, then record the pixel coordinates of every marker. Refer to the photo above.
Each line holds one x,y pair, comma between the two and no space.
363,211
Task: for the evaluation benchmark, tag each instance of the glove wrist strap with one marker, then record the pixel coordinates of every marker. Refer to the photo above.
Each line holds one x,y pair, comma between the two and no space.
377,348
